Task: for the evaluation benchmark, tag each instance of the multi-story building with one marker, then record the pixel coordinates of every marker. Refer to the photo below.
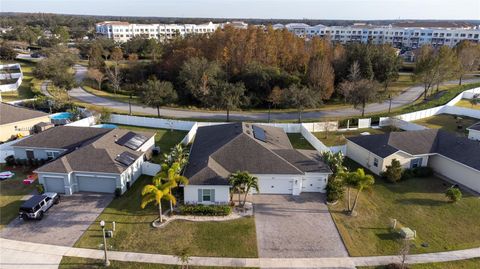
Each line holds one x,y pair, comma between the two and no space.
123,31
400,37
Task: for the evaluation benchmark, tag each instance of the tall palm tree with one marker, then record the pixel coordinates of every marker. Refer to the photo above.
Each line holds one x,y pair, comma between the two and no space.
172,174
243,182
362,181
348,179
157,192
177,154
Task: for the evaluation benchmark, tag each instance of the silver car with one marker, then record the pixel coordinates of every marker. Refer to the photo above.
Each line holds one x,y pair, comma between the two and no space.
37,205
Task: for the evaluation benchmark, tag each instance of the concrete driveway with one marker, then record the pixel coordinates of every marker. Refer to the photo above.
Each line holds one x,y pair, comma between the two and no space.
296,227
63,223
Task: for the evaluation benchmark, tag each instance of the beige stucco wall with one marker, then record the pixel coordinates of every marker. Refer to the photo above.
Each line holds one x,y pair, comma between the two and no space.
455,171
20,127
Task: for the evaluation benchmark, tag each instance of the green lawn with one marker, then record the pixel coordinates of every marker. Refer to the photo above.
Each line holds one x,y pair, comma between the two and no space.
403,82
134,231
11,193
448,122
108,95
80,263
299,142
164,138
339,137
466,103
418,203
463,264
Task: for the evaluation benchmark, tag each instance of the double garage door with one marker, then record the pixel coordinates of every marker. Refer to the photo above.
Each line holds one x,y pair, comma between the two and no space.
96,184
284,185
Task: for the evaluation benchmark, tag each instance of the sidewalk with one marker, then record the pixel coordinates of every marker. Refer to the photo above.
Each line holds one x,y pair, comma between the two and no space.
17,254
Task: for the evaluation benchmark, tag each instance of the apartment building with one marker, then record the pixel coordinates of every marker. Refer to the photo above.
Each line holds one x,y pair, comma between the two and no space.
123,31
400,37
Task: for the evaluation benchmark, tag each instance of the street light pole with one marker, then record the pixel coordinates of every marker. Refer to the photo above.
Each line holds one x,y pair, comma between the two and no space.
390,104
102,224
130,105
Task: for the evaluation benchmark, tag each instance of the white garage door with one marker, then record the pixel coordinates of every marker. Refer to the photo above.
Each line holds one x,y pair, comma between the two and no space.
96,184
275,185
54,184
314,184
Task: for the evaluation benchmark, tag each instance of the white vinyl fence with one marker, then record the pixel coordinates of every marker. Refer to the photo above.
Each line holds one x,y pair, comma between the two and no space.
6,149
152,122
86,122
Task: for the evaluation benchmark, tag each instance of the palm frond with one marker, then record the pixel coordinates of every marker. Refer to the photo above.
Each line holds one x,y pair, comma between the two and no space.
170,197
146,199
149,189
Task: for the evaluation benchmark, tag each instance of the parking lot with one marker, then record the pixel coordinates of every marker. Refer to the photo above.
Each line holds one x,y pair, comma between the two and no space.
63,223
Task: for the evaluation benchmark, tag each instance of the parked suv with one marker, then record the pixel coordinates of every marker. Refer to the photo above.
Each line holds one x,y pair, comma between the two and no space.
35,207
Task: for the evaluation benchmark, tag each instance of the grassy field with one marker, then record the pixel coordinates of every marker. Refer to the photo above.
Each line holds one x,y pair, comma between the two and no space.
448,122
81,263
339,137
466,103
463,264
417,203
404,82
29,87
134,231
299,142
164,138
11,193
108,95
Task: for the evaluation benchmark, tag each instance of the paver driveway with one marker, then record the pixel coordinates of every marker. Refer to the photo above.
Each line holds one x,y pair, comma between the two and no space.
63,223
296,227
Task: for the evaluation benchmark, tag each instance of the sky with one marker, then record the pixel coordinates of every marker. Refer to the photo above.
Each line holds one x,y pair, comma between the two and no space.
266,9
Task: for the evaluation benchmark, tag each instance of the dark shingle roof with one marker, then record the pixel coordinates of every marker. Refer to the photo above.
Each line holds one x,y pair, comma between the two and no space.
430,141
62,137
10,113
222,149
476,127
99,156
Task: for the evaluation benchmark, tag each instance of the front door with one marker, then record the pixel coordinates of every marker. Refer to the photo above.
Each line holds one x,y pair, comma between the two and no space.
30,154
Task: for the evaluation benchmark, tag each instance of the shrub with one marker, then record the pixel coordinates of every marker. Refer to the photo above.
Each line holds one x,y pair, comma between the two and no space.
407,174
393,173
335,190
40,188
423,171
118,192
453,194
10,160
205,210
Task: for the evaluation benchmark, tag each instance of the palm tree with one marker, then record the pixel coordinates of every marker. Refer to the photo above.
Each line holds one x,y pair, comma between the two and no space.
362,181
172,174
349,180
243,182
177,154
157,192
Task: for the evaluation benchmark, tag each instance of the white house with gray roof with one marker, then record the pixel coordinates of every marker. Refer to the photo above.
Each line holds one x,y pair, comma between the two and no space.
87,159
263,151
474,131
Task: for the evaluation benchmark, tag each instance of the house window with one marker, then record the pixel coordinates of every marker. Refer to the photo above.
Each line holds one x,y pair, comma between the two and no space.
206,195
52,154
415,163
375,162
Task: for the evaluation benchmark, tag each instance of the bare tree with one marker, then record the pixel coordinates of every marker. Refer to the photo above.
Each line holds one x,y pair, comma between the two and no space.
321,77
468,59
97,75
425,68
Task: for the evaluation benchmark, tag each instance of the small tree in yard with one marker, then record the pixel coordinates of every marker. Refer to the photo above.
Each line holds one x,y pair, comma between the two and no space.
394,171
453,194
172,174
97,76
243,182
156,192
362,181
301,97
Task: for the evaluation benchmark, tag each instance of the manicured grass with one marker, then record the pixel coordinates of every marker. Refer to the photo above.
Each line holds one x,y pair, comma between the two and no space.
164,138
417,203
134,231
448,122
108,95
466,103
403,82
339,137
463,264
80,263
12,191
299,142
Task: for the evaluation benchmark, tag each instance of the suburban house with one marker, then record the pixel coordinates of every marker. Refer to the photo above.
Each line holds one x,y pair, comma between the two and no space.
474,131
454,157
15,120
87,159
263,151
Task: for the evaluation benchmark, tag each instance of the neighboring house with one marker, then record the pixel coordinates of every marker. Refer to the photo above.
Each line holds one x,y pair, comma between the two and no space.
474,131
454,157
265,152
87,159
16,120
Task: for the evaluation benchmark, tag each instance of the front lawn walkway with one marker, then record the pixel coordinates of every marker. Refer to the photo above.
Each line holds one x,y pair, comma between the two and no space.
417,203
134,232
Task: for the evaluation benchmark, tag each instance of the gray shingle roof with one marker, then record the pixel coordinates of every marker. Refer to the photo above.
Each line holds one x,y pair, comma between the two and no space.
223,149
430,141
98,156
10,113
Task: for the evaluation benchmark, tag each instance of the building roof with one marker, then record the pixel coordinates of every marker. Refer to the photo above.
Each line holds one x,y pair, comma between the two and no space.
10,113
475,127
220,150
430,141
101,155
62,137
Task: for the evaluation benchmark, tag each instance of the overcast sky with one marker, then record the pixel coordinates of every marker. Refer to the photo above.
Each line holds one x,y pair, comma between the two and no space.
292,9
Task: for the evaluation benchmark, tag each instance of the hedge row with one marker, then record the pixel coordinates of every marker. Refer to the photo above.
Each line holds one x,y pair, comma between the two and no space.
205,210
